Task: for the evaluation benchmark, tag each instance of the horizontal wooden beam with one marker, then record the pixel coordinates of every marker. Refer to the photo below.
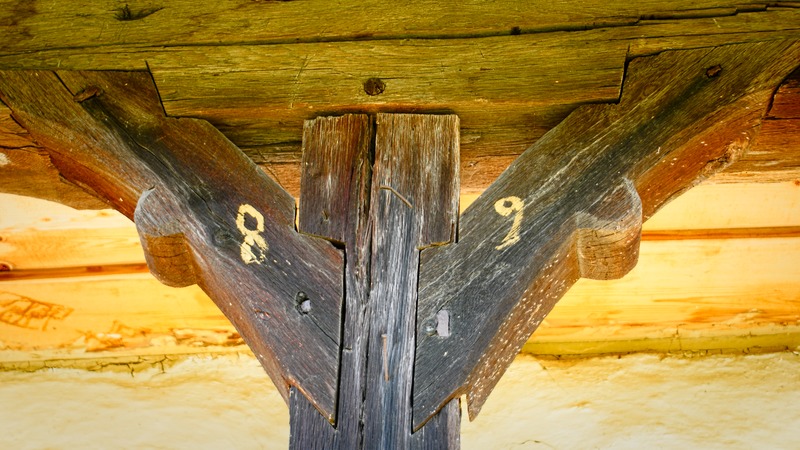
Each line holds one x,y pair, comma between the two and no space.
475,72
107,316
686,295
503,108
774,156
40,236
93,26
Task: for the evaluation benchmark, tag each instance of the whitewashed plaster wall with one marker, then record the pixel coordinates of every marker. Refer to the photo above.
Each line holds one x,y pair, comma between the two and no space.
226,402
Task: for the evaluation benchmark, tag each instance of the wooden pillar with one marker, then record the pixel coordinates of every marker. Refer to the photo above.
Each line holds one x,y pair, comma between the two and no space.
384,213
382,339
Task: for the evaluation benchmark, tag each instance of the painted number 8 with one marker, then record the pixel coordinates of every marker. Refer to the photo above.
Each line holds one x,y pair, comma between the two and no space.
254,246
505,207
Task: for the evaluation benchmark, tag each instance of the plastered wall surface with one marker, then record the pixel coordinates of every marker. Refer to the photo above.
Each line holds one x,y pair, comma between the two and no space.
632,402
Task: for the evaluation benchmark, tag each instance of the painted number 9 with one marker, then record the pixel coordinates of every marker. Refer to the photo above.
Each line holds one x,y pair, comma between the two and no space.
254,247
505,207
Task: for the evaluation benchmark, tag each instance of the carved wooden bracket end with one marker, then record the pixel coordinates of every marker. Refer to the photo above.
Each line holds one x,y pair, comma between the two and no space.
608,235
166,250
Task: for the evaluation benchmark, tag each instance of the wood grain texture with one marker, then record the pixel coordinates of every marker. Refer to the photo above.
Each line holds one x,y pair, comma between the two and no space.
693,295
786,102
262,103
239,87
679,120
503,109
776,150
196,198
95,25
412,203
337,177
607,235
108,316
26,169
268,127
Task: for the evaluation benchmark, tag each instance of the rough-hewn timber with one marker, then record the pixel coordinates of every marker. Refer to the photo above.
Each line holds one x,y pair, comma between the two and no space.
683,115
413,204
337,177
97,24
510,74
205,214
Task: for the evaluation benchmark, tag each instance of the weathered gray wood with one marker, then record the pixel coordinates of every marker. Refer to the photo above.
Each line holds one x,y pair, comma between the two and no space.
337,162
413,204
200,202
516,252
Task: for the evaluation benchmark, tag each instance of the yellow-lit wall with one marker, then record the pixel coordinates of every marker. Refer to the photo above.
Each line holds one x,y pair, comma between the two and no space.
638,401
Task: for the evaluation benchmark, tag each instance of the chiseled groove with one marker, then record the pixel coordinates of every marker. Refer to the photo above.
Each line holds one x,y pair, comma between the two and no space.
722,233
74,272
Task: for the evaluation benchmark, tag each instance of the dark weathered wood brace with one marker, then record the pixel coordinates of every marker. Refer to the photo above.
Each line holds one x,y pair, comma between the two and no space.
385,207
382,309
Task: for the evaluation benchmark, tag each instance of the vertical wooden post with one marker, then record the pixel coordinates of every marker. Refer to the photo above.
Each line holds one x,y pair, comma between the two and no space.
413,204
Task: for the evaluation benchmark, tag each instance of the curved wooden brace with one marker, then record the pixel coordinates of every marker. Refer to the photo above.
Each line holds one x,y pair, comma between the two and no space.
608,235
566,209
166,250
205,213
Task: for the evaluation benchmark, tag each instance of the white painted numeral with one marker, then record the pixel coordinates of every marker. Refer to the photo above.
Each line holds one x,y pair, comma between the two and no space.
505,207
254,246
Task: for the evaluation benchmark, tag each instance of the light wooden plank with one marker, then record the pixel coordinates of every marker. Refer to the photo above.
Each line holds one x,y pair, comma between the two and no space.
107,316
722,206
740,205
36,234
684,296
694,295
27,213
25,250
